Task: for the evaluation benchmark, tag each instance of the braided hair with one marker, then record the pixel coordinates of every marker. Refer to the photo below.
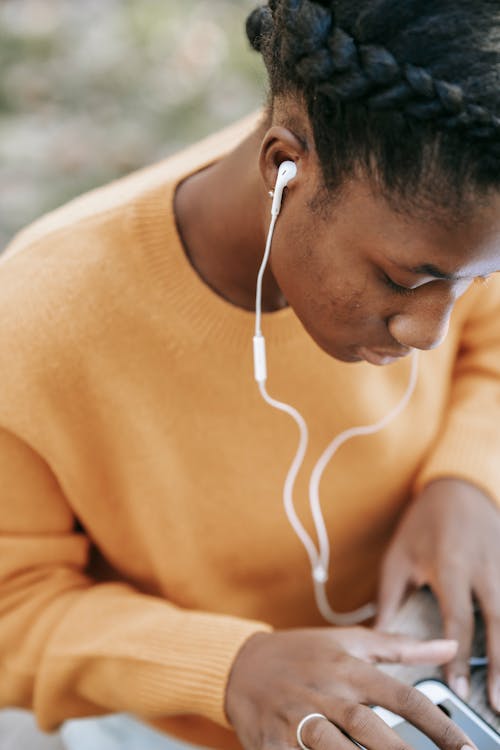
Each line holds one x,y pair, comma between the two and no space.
408,90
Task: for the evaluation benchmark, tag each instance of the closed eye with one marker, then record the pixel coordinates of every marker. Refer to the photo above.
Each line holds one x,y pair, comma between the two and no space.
397,288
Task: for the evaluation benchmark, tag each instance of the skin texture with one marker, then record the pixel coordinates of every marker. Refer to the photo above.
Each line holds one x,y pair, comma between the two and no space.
337,268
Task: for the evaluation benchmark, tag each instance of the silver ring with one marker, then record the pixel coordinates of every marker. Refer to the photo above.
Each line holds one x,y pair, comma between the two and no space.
301,727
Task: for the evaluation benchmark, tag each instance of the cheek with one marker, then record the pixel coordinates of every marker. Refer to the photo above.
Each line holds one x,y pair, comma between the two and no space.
323,292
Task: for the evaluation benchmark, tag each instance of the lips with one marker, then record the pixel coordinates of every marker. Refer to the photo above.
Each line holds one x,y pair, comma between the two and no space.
381,358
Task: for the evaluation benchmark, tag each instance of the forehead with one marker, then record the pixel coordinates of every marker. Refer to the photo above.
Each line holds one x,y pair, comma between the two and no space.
463,243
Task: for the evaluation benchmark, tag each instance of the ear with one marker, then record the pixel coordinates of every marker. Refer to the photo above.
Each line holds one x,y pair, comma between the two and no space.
280,145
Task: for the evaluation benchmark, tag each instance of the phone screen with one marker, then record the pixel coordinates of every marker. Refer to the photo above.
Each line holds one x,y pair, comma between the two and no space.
419,741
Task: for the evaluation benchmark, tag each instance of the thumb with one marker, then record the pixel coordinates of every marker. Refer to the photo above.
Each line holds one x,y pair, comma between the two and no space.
395,584
394,648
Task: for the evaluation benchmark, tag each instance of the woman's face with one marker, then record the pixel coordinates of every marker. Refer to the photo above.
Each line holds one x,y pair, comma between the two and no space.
370,283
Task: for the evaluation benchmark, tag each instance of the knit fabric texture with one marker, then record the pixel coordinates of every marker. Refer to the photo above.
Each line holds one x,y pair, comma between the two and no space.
143,538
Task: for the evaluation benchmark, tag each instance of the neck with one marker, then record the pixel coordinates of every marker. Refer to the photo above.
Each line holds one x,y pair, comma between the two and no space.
223,215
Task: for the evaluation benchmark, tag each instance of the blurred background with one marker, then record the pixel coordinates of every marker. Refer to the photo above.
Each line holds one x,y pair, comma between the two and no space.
93,89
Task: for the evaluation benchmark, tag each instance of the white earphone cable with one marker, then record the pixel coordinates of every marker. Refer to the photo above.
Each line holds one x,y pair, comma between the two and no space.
369,610
319,557
292,474
258,299
320,560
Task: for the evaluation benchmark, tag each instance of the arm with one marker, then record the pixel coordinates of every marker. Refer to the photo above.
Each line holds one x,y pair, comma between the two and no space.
71,647
469,442
448,537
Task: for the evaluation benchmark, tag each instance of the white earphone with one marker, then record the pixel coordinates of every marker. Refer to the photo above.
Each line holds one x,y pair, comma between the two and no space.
286,172
319,556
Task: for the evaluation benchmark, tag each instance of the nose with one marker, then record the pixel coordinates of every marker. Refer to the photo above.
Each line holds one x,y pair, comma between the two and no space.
425,322
415,333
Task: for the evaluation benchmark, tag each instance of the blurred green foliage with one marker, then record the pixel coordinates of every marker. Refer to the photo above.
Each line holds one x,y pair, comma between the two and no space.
93,89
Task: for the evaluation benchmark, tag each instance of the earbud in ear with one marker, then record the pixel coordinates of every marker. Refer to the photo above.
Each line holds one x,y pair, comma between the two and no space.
286,172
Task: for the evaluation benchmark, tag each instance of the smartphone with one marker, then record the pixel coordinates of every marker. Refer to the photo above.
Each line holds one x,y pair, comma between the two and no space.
480,732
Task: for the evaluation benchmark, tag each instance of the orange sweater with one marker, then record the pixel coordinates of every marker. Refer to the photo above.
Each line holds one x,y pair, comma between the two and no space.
142,533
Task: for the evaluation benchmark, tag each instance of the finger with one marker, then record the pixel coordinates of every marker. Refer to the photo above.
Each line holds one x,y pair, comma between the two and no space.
320,734
455,602
395,585
396,648
412,705
364,726
487,596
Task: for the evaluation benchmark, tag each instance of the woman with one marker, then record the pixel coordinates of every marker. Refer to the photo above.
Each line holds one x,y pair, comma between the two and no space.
147,563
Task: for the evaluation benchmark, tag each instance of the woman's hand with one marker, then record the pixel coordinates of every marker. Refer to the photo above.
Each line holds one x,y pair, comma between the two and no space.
278,678
449,538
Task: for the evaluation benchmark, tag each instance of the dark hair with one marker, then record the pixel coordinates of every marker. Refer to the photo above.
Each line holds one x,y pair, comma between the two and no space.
406,90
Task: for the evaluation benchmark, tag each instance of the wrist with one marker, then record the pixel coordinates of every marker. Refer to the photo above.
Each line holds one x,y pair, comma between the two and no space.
241,665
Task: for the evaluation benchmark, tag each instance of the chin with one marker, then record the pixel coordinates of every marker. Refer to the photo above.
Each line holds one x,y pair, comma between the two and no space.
352,358
348,355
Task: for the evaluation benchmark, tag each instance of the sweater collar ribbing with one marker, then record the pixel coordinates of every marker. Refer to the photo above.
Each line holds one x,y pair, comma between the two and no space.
189,301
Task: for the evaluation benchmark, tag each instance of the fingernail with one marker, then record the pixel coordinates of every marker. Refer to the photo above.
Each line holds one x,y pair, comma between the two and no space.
461,687
440,647
444,642
468,747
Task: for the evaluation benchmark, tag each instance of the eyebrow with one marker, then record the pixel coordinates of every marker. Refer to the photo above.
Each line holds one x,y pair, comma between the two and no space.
428,269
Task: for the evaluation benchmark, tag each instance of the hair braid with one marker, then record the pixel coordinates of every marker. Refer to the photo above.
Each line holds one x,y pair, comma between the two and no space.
308,49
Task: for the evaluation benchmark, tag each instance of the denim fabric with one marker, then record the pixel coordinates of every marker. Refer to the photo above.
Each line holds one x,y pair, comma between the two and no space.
116,732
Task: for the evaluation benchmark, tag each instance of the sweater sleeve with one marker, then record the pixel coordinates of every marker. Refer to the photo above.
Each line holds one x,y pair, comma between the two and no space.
468,444
72,647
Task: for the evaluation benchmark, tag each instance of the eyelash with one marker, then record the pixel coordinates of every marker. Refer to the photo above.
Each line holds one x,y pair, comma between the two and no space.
402,290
